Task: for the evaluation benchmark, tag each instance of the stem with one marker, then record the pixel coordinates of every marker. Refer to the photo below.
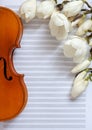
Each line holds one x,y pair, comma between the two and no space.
88,12
89,77
88,38
90,34
81,15
65,2
91,52
84,9
77,17
59,7
89,70
55,1
88,4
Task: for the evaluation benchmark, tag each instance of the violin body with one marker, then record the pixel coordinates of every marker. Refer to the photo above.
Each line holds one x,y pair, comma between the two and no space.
13,92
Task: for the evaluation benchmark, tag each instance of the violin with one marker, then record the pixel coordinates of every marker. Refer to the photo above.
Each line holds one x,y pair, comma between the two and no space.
13,91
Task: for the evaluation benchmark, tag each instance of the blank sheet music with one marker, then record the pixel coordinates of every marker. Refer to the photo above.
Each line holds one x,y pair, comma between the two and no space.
48,80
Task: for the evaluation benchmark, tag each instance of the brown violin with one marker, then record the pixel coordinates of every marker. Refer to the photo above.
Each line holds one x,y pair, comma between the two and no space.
13,92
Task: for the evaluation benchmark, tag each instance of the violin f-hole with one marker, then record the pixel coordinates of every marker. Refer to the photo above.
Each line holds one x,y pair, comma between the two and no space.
5,69
13,91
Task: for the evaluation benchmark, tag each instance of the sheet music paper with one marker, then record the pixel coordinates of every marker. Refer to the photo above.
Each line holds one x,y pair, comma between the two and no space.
48,80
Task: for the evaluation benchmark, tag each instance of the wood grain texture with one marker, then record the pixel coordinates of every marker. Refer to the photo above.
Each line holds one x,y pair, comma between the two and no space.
13,92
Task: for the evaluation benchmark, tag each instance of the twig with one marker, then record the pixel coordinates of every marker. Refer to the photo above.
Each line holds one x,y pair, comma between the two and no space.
88,12
88,4
88,37
59,7
55,1
77,17
84,9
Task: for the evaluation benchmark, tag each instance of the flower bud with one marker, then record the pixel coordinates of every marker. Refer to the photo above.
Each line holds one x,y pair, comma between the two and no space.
59,25
80,76
76,48
45,9
78,88
87,25
27,10
72,8
78,22
81,66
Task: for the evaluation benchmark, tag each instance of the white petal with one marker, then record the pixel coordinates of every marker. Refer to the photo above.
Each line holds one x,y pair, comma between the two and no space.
79,59
53,28
61,33
80,76
87,25
68,49
72,8
78,88
81,66
78,21
75,22
45,9
58,25
27,10
27,15
58,19
77,48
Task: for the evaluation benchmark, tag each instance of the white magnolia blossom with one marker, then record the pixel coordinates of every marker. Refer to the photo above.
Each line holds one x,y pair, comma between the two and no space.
45,8
81,66
79,86
76,48
87,25
59,25
27,10
72,8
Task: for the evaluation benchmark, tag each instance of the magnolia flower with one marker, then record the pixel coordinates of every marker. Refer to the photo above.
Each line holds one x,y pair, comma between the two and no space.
72,8
81,66
79,86
45,9
27,10
59,25
76,48
87,25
